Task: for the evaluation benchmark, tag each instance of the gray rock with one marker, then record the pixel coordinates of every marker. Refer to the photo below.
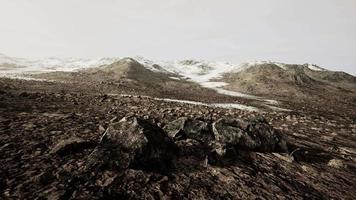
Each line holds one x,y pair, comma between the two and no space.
71,145
184,128
133,143
265,137
231,132
174,128
256,135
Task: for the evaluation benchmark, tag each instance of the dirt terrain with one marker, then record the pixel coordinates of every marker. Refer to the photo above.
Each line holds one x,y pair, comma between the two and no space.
64,141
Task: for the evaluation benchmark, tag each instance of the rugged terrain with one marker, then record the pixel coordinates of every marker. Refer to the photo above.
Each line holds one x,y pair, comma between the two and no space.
111,132
283,80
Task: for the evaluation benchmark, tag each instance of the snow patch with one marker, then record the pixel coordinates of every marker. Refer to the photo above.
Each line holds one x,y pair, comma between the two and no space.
29,78
236,106
278,108
257,63
315,67
213,84
218,105
28,66
174,78
234,94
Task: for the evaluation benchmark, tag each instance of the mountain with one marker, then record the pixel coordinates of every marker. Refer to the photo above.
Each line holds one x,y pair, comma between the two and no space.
263,78
128,75
285,79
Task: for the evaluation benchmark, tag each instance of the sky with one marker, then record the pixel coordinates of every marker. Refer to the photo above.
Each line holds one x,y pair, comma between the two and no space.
321,32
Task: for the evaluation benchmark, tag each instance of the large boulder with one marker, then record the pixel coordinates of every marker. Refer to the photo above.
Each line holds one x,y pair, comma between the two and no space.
133,143
256,135
267,138
225,138
184,128
232,132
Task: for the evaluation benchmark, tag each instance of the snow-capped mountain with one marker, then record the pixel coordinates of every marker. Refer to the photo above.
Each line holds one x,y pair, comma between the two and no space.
12,65
247,80
196,70
210,74
281,65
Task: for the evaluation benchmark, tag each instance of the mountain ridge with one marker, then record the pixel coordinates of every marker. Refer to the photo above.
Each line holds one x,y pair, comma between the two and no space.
76,63
263,78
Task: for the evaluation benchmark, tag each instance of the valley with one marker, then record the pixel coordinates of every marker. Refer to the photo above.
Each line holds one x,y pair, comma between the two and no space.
132,128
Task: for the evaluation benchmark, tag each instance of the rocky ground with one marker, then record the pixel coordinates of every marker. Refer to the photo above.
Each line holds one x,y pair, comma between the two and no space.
71,141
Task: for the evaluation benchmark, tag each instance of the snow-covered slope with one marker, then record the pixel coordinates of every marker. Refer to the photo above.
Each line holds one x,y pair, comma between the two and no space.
223,77
196,70
13,66
315,67
199,71
257,63
206,73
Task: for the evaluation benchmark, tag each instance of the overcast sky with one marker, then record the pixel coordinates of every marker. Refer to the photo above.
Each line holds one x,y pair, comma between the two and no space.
292,31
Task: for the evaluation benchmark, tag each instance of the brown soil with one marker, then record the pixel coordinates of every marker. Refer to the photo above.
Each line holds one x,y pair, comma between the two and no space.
36,117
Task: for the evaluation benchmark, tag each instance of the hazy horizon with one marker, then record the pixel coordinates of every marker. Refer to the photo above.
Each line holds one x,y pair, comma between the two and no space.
319,32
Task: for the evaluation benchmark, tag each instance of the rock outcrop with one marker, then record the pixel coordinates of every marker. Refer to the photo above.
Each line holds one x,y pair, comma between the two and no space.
133,143
137,144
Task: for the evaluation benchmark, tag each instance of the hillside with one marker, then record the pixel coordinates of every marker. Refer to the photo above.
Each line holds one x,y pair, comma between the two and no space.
254,84
301,81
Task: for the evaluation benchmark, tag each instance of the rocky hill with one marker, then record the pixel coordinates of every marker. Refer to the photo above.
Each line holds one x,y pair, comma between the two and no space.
301,81
128,76
254,83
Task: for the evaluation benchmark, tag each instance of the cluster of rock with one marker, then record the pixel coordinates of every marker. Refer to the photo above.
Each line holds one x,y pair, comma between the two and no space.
138,144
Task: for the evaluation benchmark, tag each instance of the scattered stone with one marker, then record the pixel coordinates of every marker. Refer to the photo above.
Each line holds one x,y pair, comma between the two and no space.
101,129
28,126
251,175
327,138
284,157
114,119
309,170
56,115
336,163
107,178
71,145
44,178
333,134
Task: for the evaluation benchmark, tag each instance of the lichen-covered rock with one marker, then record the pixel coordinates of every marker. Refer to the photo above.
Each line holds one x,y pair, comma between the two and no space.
266,138
256,135
232,133
184,128
225,138
336,163
133,143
